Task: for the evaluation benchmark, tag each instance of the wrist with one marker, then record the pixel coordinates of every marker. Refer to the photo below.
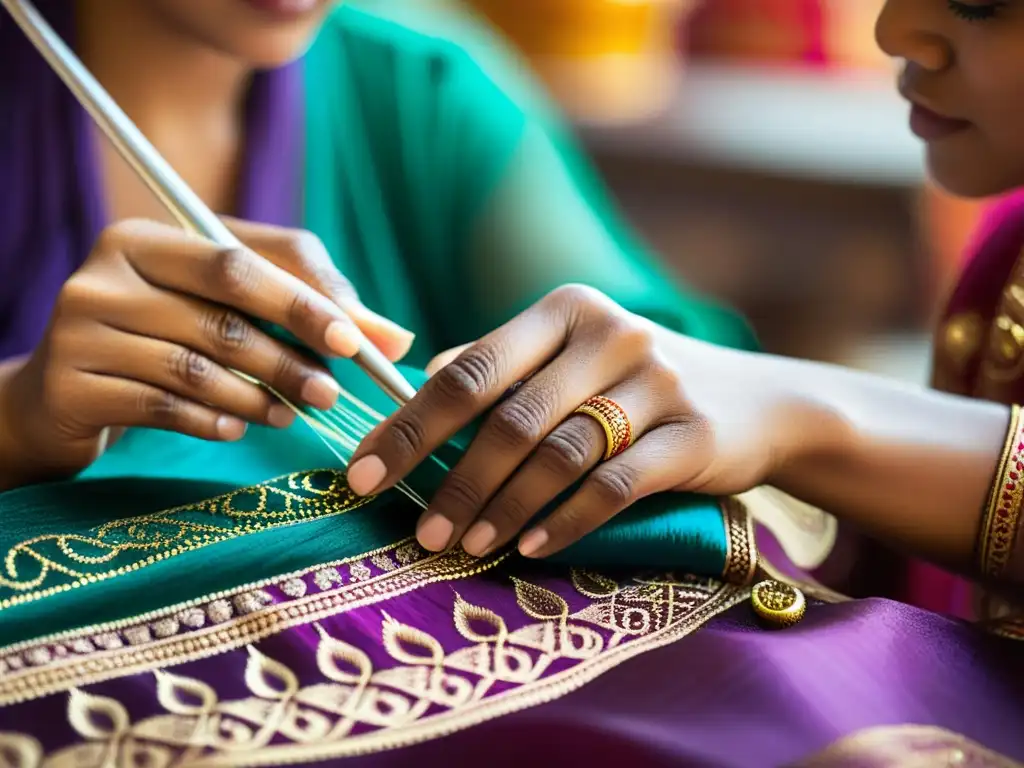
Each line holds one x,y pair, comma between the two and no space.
12,448
20,462
809,434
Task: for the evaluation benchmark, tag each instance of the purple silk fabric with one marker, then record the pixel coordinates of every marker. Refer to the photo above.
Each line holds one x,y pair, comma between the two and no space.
729,694
53,205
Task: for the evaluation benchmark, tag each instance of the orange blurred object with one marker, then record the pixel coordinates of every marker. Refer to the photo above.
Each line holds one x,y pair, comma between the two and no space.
604,60
806,32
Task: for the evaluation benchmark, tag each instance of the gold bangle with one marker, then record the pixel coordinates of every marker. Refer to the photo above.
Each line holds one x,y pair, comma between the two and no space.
1001,520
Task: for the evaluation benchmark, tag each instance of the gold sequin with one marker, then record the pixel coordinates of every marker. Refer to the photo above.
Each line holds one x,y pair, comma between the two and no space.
1005,359
961,338
778,604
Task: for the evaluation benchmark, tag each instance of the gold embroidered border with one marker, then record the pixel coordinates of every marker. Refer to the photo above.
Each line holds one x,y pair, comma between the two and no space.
515,700
741,544
1000,524
208,641
29,667
175,621
432,692
159,536
906,746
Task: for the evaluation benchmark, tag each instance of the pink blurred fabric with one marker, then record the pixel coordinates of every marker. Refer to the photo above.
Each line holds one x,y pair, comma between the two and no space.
987,268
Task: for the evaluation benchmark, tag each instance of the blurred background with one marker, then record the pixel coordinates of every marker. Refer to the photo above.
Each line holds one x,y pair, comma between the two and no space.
760,148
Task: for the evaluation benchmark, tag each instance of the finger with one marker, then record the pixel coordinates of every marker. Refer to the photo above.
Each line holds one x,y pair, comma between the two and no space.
118,402
225,337
303,254
562,459
183,372
507,437
237,278
443,359
648,467
455,396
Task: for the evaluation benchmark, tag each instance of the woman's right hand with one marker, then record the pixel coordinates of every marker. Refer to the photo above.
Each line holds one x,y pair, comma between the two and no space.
145,332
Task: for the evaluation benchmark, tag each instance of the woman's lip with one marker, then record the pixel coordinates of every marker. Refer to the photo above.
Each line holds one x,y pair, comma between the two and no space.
284,8
931,126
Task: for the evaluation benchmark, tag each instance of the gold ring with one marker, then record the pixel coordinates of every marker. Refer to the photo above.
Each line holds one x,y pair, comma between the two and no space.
618,430
778,604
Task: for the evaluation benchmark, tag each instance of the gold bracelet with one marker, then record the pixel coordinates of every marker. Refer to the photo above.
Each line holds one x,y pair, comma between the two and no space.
997,536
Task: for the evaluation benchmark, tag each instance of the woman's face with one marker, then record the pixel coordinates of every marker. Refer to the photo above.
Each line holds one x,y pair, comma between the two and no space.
263,33
964,76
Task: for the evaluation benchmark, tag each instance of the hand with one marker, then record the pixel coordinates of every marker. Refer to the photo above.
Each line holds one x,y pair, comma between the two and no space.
707,419
144,335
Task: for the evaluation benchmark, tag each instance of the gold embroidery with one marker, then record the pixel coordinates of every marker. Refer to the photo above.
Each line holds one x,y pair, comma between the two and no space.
741,546
961,338
359,708
1005,349
23,682
123,546
196,614
1000,523
778,604
906,746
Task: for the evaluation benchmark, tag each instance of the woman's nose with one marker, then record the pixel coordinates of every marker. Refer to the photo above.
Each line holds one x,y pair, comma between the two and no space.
911,30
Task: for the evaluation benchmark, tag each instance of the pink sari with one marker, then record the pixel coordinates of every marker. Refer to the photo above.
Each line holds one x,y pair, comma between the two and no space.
979,352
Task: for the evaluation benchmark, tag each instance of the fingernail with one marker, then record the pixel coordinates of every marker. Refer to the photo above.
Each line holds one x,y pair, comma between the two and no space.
402,345
532,542
401,338
230,428
357,310
321,391
479,538
280,416
366,474
435,532
342,338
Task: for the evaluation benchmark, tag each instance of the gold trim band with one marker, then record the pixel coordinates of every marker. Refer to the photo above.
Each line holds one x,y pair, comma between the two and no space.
618,430
1002,517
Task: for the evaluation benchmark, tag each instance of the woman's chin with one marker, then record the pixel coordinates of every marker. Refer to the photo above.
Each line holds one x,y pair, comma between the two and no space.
269,51
971,177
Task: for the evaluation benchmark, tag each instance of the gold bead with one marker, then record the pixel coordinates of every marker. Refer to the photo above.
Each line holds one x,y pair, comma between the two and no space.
776,604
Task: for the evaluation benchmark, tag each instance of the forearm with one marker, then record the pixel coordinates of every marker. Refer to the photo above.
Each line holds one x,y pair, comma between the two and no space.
911,466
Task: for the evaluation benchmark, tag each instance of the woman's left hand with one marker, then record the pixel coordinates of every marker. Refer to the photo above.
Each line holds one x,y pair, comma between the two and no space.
702,418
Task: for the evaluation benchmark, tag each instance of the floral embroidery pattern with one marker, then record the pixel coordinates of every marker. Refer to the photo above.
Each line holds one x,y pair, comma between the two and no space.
376,691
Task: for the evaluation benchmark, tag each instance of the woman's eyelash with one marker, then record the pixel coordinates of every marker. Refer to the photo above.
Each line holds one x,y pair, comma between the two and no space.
976,12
